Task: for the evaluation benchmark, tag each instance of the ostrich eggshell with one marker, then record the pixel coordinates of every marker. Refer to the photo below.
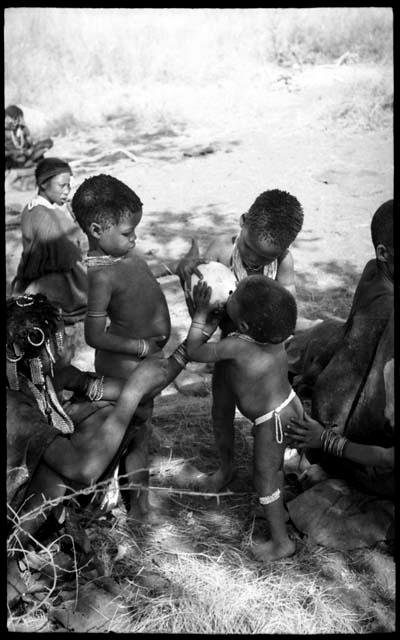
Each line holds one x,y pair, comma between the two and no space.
219,278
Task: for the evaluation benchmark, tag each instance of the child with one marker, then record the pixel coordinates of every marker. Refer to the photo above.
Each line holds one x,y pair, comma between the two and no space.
263,313
262,247
121,288
51,261
20,150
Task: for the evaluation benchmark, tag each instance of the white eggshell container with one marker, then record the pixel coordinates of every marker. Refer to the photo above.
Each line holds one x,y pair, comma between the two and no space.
219,278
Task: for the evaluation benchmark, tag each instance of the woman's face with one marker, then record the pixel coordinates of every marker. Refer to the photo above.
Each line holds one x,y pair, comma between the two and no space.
56,190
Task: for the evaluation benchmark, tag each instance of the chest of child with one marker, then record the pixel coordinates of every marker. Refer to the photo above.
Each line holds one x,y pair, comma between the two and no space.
136,297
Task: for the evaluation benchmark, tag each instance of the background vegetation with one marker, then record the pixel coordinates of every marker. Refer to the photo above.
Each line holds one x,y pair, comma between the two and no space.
82,65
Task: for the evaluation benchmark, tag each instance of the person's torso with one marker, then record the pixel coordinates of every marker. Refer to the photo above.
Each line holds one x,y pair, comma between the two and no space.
259,380
138,308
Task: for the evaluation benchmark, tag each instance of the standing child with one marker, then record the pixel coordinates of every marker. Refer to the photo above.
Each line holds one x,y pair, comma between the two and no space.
51,261
263,314
261,248
123,291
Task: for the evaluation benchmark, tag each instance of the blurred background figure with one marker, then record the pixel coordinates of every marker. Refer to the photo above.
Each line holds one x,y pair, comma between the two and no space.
21,153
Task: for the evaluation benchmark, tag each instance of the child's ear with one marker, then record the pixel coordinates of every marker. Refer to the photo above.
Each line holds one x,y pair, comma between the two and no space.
381,253
95,230
242,219
243,326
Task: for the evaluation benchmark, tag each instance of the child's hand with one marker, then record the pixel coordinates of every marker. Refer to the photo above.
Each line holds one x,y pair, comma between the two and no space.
201,296
304,433
212,321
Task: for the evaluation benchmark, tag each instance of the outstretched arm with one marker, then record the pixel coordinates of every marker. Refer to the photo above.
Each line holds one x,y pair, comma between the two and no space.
204,323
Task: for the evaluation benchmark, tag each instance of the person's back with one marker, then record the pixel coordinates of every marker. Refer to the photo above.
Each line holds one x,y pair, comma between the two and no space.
122,289
256,376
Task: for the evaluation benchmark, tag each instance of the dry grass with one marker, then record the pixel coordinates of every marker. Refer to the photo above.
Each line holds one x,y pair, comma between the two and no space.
167,66
194,573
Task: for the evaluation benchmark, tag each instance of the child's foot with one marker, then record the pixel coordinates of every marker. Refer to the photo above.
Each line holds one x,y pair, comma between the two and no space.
270,550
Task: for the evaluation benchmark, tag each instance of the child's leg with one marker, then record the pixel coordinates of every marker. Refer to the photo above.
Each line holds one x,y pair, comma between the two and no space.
268,481
136,466
223,413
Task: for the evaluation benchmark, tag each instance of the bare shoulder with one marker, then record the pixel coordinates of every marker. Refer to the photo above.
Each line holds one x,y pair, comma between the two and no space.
100,276
220,249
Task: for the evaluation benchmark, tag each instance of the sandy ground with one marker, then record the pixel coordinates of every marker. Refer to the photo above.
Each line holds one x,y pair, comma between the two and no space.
196,181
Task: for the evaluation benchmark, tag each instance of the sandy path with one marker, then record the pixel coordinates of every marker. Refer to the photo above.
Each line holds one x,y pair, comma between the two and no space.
340,176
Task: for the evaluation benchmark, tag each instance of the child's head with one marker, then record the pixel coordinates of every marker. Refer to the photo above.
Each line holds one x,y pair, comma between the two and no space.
263,309
13,116
53,177
269,227
108,212
382,234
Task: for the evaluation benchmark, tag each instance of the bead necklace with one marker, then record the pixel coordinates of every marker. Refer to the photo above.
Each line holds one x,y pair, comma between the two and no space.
243,336
101,261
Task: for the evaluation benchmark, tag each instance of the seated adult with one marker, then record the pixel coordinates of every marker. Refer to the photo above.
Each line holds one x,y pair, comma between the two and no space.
52,444
346,376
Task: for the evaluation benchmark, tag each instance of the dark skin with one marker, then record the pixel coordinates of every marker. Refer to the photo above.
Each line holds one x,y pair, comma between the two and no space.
84,455
255,380
87,452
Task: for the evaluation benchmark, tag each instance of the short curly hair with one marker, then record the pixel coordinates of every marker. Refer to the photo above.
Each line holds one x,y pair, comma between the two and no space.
26,314
269,309
277,216
382,225
105,200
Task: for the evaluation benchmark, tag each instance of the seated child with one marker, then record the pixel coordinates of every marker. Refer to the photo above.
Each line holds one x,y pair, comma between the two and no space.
264,314
121,289
20,150
51,261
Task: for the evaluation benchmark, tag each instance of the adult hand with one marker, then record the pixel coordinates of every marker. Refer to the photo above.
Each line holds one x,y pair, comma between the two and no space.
304,433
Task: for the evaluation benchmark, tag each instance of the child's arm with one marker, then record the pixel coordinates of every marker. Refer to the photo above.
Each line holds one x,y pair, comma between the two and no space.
285,274
96,336
202,327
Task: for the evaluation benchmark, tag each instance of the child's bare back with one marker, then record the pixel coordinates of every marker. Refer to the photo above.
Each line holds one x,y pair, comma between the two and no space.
255,376
258,377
